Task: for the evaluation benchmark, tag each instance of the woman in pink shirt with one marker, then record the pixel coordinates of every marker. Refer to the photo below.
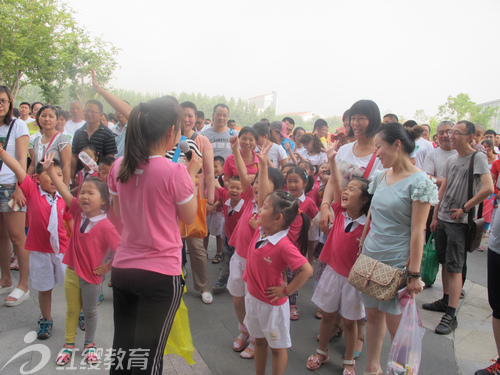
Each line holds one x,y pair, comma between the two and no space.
150,195
248,141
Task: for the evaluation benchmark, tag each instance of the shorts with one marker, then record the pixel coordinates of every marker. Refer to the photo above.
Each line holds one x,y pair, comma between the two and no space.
6,191
46,269
334,290
494,282
268,321
315,232
215,224
450,245
235,284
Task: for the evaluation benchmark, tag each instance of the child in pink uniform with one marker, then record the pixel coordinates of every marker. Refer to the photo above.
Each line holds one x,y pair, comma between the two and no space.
243,234
339,253
92,236
46,240
269,253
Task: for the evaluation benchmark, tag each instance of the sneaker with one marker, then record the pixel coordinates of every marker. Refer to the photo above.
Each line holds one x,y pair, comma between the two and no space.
101,297
44,329
494,369
207,297
446,325
438,305
219,288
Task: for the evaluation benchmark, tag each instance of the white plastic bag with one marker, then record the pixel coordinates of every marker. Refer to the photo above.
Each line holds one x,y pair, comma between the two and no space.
406,349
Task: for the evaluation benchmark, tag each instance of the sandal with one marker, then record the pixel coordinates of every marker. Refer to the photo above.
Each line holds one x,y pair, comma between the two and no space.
81,321
314,363
90,354
294,312
218,288
357,353
14,265
217,258
249,352
241,340
64,356
319,314
378,372
350,362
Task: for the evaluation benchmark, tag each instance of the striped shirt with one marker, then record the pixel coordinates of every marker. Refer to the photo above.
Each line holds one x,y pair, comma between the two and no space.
103,140
192,145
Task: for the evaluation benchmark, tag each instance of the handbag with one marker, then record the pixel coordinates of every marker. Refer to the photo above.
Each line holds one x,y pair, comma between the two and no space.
198,229
373,277
475,227
430,264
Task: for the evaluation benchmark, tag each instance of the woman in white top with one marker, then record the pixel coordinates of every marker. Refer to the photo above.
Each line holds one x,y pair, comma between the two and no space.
12,220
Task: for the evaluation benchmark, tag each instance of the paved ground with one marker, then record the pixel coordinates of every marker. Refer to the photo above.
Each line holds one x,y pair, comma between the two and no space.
215,326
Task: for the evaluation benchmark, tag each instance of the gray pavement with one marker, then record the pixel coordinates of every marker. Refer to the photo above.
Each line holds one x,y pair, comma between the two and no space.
214,328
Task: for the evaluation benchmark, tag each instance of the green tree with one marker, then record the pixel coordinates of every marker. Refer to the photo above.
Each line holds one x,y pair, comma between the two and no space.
462,107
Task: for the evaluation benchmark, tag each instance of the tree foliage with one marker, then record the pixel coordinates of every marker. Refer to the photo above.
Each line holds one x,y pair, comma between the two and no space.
41,44
461,107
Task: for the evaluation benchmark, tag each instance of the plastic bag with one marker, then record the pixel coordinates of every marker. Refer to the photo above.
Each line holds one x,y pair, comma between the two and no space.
406,349
430,263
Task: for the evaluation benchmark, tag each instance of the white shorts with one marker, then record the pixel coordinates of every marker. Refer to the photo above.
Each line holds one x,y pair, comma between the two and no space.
235,284
333,290
215,224
268,321
46,269
314,233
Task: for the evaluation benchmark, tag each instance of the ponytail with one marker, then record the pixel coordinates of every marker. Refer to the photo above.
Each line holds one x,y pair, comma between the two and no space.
304,234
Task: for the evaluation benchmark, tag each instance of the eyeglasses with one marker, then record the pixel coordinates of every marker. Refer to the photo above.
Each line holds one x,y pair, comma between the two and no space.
455,133
90,112
4,102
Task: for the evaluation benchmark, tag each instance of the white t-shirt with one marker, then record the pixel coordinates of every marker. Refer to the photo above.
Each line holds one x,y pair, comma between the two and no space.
19,129
277,154
350,165
315,159
422,148
71,127
436,161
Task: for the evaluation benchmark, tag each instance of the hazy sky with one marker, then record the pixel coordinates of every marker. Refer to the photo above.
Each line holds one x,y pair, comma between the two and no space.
319,56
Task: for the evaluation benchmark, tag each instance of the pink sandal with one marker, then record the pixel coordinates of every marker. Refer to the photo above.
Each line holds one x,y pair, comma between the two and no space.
241,340
90,354
314,363
249,352
294,312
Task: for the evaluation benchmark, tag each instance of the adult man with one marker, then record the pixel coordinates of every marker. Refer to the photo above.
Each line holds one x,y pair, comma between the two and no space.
77,121
450,218
24,110
437,159
199,124
94,133
218,134
491,135
320,128
120,130
427,131
390,117
290,124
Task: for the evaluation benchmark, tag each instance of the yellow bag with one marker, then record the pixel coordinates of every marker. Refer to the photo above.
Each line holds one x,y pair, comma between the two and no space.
199,227
180,341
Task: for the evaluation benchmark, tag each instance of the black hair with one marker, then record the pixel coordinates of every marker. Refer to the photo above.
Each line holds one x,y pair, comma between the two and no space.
428,127
39,166
369,109
234,178
345,116
25,103
317,145
220,159
489,143
309,166
392,116
285,204
222,105
262,129
105,116
64,114
319,123
8,117
364,192
417,130
16,112
471,128
43,108
297,129
106,160
248,129
112,117
394,131
189,105
490,131
149,123
103,190
35,103
410,124
289,120
91,148
96,102
200,114
275,176
230,121
264,120
307,179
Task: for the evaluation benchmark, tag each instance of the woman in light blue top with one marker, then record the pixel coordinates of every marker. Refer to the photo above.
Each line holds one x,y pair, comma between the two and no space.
399,210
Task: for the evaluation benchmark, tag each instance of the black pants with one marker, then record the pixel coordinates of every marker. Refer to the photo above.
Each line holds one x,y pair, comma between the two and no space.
144,305
494,282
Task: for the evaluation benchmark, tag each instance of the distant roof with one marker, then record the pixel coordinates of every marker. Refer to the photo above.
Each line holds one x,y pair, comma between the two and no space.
260,96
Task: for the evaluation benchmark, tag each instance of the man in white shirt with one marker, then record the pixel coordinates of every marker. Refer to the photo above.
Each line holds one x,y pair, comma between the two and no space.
219,134
77,121
24,110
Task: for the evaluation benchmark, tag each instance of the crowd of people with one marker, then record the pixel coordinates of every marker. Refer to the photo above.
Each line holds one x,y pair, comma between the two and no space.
83,194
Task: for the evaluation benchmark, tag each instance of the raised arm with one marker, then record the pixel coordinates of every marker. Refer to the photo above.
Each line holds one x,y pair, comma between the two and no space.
264,184
61,187
13,164
117,104
335,180
240,164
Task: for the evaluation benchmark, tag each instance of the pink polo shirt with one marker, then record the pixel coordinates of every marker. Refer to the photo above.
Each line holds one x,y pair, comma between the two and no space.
230,222
151,238
243,232
38,238
265,266
230,166
308,206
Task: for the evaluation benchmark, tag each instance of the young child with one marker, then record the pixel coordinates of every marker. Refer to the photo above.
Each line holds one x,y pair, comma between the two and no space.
243,234
92,236
61,123
86,171
269,253
333,290
46,240
232,208
215,220
314,149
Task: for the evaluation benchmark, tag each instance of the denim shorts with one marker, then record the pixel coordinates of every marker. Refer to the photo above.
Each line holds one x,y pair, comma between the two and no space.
6,191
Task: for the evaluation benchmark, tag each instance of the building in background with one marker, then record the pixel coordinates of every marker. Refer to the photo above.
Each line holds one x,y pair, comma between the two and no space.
264,101
306,116
495,120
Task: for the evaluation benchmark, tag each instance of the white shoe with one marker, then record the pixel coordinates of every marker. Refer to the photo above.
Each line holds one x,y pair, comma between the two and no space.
207,297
